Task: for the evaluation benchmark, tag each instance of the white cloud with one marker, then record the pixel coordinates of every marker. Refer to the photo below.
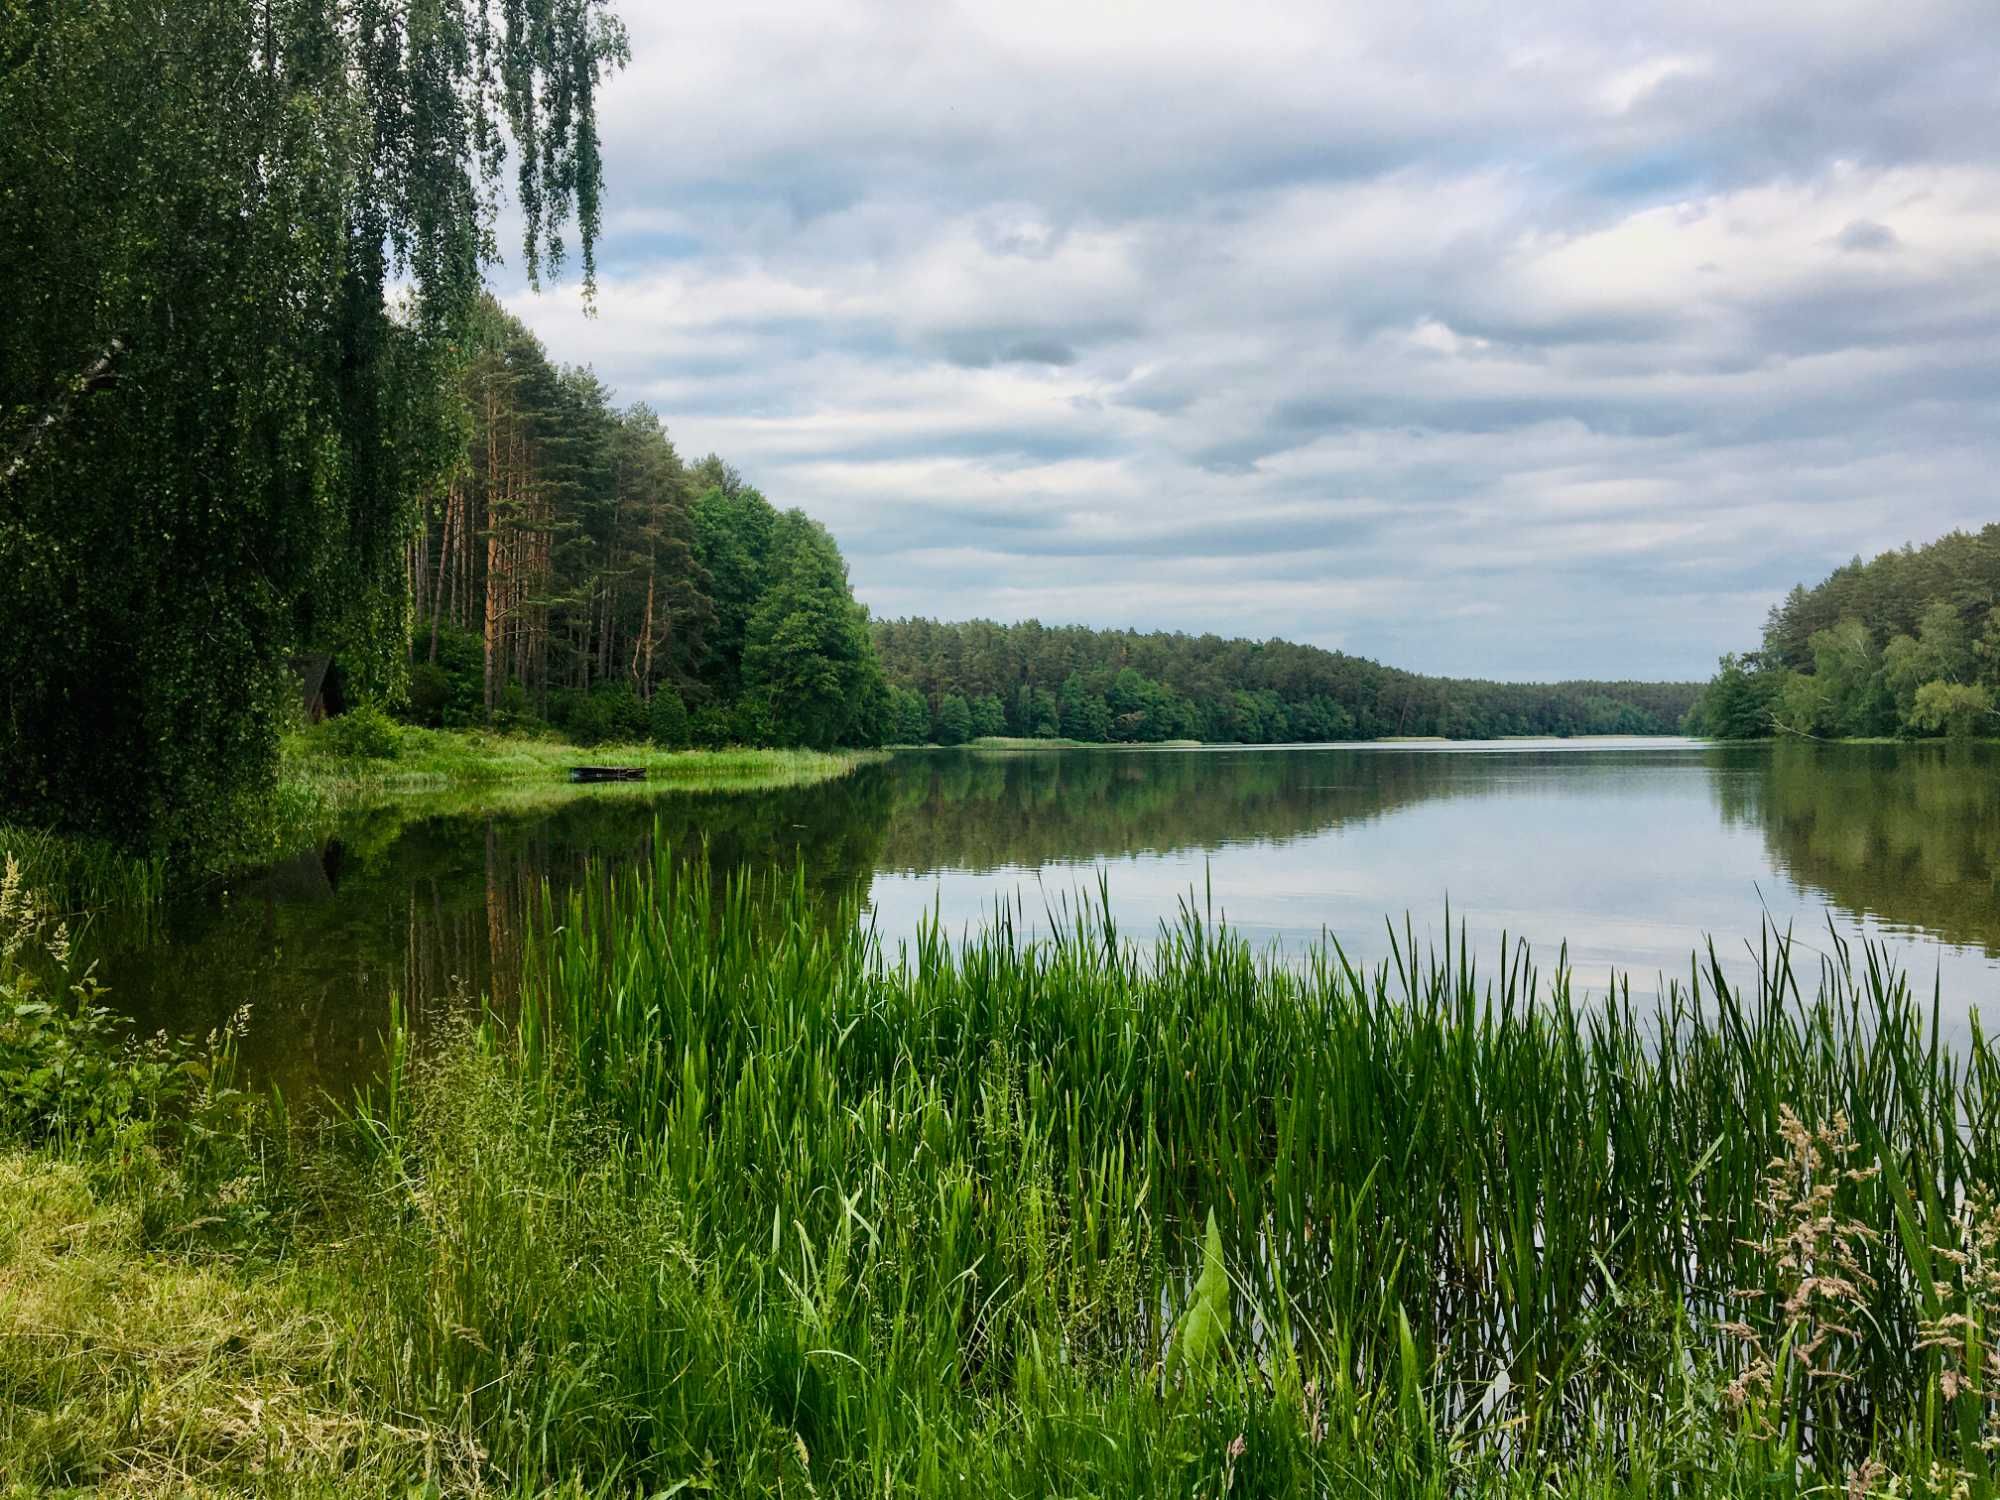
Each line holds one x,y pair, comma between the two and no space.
1555,343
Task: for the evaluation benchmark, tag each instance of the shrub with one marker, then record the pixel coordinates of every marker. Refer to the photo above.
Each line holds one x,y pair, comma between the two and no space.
68,1069
430,694
624,712
709,728
362,733
667,720
585,719
750,721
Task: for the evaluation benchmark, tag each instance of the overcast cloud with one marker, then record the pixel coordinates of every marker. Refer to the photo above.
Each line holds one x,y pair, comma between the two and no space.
1520,340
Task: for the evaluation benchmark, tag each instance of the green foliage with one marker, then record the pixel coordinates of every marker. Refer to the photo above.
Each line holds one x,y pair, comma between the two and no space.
1071,1149
581,718
709,728
750,721
667,720
1858,654
1960,709
1736,705
954,720
910,717
209,410
1890,596
1100,686
806,652
70,1071
1198,1337
457,657
988,717
429,694
1986,650
364,732
610,712
733,530
736,1197
1084,715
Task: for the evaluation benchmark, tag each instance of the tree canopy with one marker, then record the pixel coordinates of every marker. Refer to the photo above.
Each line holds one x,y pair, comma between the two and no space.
240,242
1906,644
1044,681
573,569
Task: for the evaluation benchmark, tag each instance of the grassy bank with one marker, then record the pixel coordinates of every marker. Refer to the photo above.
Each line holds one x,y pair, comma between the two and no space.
394,759
337,766
740,1205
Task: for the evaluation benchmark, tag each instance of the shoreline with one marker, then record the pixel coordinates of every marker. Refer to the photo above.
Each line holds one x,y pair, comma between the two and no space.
317,786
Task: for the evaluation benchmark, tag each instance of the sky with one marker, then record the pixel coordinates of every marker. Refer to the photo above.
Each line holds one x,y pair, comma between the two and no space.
1525,340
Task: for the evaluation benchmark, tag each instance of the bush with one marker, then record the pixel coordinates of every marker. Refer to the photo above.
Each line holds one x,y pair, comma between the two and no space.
610,711
362,733
69,1069
667,720
709,728
750,721
583,719
514,711
623,709
430,694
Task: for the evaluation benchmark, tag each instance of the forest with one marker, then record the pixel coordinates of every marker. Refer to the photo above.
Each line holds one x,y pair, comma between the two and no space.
954,682
259,409
1907,644
572,571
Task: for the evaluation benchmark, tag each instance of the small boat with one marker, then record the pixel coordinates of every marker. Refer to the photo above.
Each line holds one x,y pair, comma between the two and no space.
607,773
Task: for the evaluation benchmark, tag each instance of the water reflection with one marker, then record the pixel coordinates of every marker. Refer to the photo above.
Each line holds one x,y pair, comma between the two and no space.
1630,854
1907,835
430,901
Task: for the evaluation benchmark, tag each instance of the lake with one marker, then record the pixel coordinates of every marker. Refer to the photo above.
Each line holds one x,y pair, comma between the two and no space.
1632,852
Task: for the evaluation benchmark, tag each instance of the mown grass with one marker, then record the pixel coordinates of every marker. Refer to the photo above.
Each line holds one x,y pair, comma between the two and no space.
741,1204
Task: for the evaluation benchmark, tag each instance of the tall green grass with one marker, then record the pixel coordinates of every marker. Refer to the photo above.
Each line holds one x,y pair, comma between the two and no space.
739,1202
82,875
742,1201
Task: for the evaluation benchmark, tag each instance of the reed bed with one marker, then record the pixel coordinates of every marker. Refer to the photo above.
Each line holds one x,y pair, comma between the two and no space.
742,1201
77,875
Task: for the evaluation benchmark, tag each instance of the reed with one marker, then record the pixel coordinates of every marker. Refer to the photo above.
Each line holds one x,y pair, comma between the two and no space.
740,1201
740,1195
79,876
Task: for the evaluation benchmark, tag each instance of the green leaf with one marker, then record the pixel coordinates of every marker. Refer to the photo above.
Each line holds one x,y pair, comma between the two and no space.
1205,1324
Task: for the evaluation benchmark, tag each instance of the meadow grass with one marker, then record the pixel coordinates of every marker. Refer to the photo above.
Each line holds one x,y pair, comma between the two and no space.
740,1203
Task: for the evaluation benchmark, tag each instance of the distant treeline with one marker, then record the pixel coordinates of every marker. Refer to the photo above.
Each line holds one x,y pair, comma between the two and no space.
954,682
1908,644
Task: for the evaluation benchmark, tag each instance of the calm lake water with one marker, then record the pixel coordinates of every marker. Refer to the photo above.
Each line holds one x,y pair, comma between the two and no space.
1631,852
